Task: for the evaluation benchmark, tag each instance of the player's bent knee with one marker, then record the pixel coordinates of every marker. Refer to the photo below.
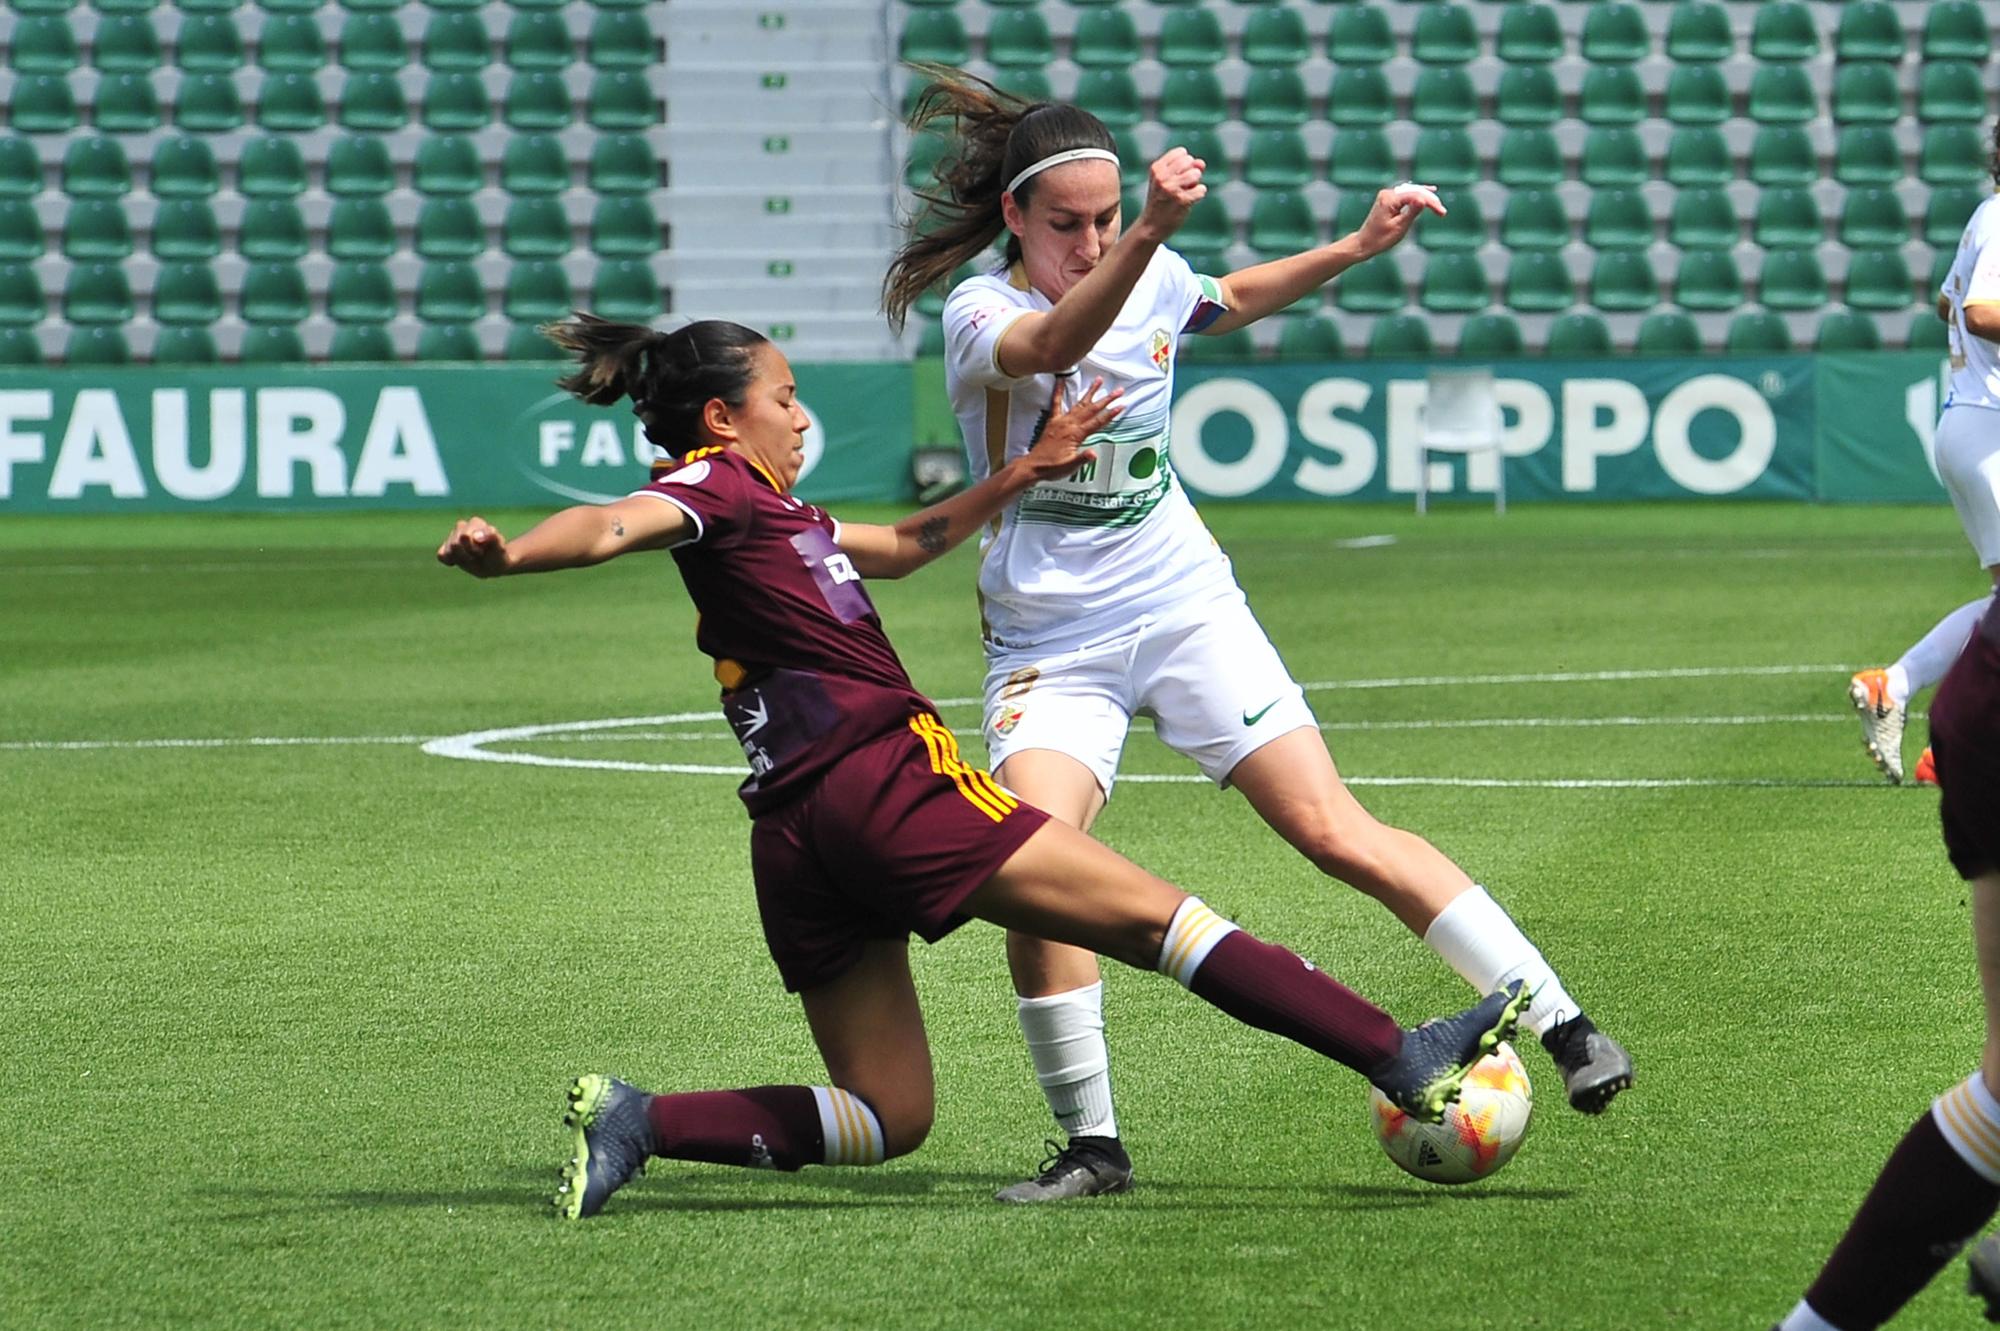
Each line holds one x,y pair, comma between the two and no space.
905,1128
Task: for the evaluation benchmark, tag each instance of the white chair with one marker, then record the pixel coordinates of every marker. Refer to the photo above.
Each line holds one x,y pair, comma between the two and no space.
1461,415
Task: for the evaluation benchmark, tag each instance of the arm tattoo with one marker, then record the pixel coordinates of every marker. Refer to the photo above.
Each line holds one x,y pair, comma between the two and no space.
617,526
931,536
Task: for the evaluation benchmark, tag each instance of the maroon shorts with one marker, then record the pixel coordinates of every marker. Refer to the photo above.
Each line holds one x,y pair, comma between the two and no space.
1965,742
888,843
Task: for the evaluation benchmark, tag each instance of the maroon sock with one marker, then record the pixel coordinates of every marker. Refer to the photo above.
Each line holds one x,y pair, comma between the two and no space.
765,1127
1263,985
1925,1205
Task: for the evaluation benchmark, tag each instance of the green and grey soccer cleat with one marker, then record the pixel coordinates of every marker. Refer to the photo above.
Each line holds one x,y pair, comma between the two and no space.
1594,1066
1982,1278
611,1139
1087,1167
1429,1071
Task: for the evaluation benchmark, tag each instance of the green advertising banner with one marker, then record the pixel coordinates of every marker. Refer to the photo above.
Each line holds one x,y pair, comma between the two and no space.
1877,413
96,440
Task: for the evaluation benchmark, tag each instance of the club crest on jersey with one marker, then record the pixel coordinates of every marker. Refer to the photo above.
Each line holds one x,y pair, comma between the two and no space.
1161,345
1005,720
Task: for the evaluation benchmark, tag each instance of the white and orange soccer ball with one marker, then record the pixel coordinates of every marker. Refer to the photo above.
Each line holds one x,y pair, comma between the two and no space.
1480,1132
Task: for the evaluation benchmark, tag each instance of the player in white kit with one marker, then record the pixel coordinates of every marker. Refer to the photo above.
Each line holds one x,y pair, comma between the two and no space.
1968,462
1103,596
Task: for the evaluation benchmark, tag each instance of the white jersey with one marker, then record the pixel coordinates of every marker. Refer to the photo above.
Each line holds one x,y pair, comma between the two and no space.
1974,279
1080,558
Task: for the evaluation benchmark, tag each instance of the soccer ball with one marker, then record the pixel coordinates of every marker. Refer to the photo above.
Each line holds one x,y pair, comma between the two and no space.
1480,1132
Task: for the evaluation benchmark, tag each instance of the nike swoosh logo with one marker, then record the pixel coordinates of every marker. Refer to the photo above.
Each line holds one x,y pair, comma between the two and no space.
1252,718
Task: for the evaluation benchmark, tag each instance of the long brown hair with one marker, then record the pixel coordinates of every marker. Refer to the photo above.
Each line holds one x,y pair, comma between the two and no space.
670,377
996,135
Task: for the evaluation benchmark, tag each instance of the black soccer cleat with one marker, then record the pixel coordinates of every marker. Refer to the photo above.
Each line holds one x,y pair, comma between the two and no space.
612,1138
1429,1071
1087,1167
1982,1276
1594,1066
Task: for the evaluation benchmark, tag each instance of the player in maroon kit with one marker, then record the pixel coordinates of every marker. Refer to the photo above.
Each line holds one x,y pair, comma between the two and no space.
866,825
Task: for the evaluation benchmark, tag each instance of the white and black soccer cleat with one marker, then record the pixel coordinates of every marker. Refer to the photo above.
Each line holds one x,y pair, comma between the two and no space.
1594,1066
1087,1167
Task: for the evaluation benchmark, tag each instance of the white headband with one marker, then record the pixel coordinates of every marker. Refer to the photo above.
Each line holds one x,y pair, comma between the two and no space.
1057,159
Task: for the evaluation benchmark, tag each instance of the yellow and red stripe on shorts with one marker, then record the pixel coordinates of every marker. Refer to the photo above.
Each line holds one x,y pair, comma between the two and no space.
979,788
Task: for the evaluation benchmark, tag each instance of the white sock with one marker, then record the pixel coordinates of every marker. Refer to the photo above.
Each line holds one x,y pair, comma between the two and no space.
1065,1034
1969,1118
1803,1318
1925,663
1481,942
852,1133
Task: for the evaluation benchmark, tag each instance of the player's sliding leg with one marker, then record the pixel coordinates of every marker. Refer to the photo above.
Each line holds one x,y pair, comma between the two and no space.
870,1031
1293,784
1882,697
1063,886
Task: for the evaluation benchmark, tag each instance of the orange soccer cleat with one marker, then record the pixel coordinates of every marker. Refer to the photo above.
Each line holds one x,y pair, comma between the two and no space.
1881,721
1926,773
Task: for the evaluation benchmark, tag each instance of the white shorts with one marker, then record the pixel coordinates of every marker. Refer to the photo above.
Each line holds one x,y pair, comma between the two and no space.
1968,462
1206,673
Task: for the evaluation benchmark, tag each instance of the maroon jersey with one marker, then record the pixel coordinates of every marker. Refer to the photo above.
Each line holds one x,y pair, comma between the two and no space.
806,671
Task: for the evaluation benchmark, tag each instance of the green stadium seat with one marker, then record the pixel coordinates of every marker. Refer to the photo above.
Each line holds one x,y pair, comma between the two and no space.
1530,34
1613,156
1528,157
1708,280
1443,35
1275,159
43,104
1276,37
97,346
625,4
272,231
1277,97
96,229
1928,333
535,164
1207,229
374,103
103,6
1956,30
1697,95
1534,220
20,232
1444,157
1309,337
185,345
1527,95
1952,154
126,104
1783,155
1352,211
1491,337
98,293
1792,280
626,226
1755,333
450,293
1463,227
1454,283
1615,34
919,161
1281,222
1374,287
208,6
1699,33
1703,219
209,44
1866,94
1867,155
1847,330
1360,159
539,40
21,300
1234,345
43,6
184,168
271,168
1951,90
1667,333
360,228
1941,263
1103,39
1869,30
1880,280
373,43
525,342
272,344
1782,95
1623,280
616,99
1400,337
1787,216
1206,144
1698,155
1191,37
1444,96
358,167
291,44
1019,37
457,103
447,164
447,342
1113,97
449,228
1783,31
457,43
1133,161
186,293
95,168
359,293
20,346
623,164
44,44
291,104
535,293
1360,35
1578,336
537,228
361,344
621,39
1611,95
1873,217
1618,219
1949,209
20,169
625,289
287,6
1359,96
386,6
186,230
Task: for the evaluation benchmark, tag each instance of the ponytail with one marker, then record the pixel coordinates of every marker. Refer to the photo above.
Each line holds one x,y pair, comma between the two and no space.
670,377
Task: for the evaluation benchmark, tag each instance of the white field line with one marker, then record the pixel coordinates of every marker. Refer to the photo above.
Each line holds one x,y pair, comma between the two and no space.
233,566
244,742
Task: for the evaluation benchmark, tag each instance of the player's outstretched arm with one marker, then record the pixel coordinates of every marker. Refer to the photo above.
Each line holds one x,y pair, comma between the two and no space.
574,538
892,552
1251,293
